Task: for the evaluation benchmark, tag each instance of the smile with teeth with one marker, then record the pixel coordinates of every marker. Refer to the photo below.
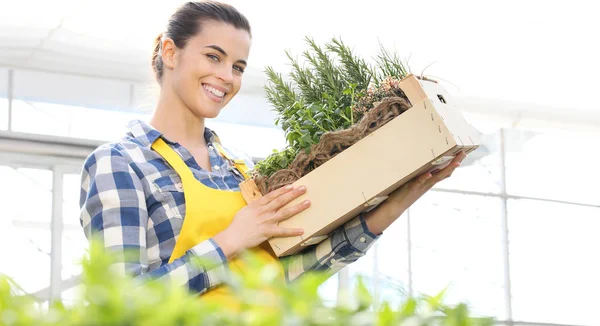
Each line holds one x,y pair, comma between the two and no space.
214,91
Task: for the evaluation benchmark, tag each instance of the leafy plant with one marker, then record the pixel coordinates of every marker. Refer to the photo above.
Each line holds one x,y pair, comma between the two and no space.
329,92
110,299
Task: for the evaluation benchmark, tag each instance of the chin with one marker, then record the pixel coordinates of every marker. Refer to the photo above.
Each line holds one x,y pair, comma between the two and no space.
209,113
209,109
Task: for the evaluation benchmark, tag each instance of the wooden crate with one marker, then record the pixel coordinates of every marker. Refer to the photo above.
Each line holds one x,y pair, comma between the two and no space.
424,138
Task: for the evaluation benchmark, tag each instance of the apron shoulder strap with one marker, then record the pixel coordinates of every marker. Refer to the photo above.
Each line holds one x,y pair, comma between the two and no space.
239,164
173,159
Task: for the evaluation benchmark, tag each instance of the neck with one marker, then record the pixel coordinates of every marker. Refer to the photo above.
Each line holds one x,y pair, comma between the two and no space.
177,122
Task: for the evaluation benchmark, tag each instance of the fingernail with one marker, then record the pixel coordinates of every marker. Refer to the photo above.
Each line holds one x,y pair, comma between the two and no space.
300,231
306,202
289,187
302,188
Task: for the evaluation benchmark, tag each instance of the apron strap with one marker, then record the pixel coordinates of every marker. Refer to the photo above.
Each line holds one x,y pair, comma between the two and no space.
174,159
239,164
181,168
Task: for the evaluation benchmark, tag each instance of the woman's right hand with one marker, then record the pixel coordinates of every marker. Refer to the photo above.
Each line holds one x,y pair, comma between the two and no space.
258,221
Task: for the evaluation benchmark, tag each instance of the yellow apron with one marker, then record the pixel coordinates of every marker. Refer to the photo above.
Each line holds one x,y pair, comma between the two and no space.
209,211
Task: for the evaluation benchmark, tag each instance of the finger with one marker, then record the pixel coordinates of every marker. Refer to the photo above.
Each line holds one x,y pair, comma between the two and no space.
285,232
456,162
424,177
459,157
264,200
428,184
284,199
431,178
284,214
443,174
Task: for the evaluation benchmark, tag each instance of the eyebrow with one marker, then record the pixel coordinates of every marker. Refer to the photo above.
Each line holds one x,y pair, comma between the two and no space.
219,49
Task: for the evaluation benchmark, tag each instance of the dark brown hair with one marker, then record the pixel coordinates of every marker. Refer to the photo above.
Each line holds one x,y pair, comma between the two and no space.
187,21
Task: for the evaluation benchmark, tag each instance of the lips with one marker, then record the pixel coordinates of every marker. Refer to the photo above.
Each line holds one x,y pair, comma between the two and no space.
214,94
218,92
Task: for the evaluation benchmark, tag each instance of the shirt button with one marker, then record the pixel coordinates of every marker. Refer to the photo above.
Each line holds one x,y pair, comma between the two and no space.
216,167
358,254
362,239
332,261
210,147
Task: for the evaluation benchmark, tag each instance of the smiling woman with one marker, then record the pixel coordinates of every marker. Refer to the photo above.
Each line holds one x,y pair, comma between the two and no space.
168,191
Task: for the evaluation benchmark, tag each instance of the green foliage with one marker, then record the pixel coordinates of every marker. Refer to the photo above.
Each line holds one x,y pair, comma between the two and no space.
110,299
389,65
277,161
321,95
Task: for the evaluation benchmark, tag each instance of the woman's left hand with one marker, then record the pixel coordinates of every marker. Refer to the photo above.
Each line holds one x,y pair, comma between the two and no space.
402,198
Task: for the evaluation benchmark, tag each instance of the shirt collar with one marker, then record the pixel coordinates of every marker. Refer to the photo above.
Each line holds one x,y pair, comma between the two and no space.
147,135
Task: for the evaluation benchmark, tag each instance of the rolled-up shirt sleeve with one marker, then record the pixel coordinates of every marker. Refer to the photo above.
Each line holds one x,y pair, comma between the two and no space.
344,246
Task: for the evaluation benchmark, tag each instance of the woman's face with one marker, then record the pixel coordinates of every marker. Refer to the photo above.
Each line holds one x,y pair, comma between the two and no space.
207,72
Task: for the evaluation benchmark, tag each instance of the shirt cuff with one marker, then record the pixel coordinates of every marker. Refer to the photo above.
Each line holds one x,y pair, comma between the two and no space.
213,261
359,235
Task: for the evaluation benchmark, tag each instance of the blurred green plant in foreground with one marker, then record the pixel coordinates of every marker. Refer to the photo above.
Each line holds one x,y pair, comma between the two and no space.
110,299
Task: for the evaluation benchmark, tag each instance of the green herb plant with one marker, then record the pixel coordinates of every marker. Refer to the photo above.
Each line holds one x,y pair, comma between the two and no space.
329,91
108,298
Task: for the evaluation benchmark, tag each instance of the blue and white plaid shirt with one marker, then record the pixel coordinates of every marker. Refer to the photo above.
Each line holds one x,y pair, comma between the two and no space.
131,199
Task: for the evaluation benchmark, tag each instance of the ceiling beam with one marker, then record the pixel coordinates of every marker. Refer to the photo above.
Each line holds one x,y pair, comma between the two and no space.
44,150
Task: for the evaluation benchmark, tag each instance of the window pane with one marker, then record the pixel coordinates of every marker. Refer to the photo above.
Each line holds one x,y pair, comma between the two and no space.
481,169
384,269
3,114
72,296
26,255
74,247
554,271
553,165
71,191
30,193
392,267
29,117
107,125
74,242
364,268
329,289
253,141
457,242
71,121
25,226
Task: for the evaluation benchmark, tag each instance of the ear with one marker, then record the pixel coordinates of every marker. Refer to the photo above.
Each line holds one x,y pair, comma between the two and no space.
168,53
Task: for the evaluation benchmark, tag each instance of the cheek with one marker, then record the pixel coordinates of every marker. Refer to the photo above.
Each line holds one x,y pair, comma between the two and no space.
191,68
237,84
187,87
189,81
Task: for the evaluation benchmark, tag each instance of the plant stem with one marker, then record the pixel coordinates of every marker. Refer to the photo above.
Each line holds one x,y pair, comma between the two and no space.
315,122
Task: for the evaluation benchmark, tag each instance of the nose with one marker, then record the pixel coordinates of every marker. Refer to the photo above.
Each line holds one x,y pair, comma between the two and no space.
225,73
